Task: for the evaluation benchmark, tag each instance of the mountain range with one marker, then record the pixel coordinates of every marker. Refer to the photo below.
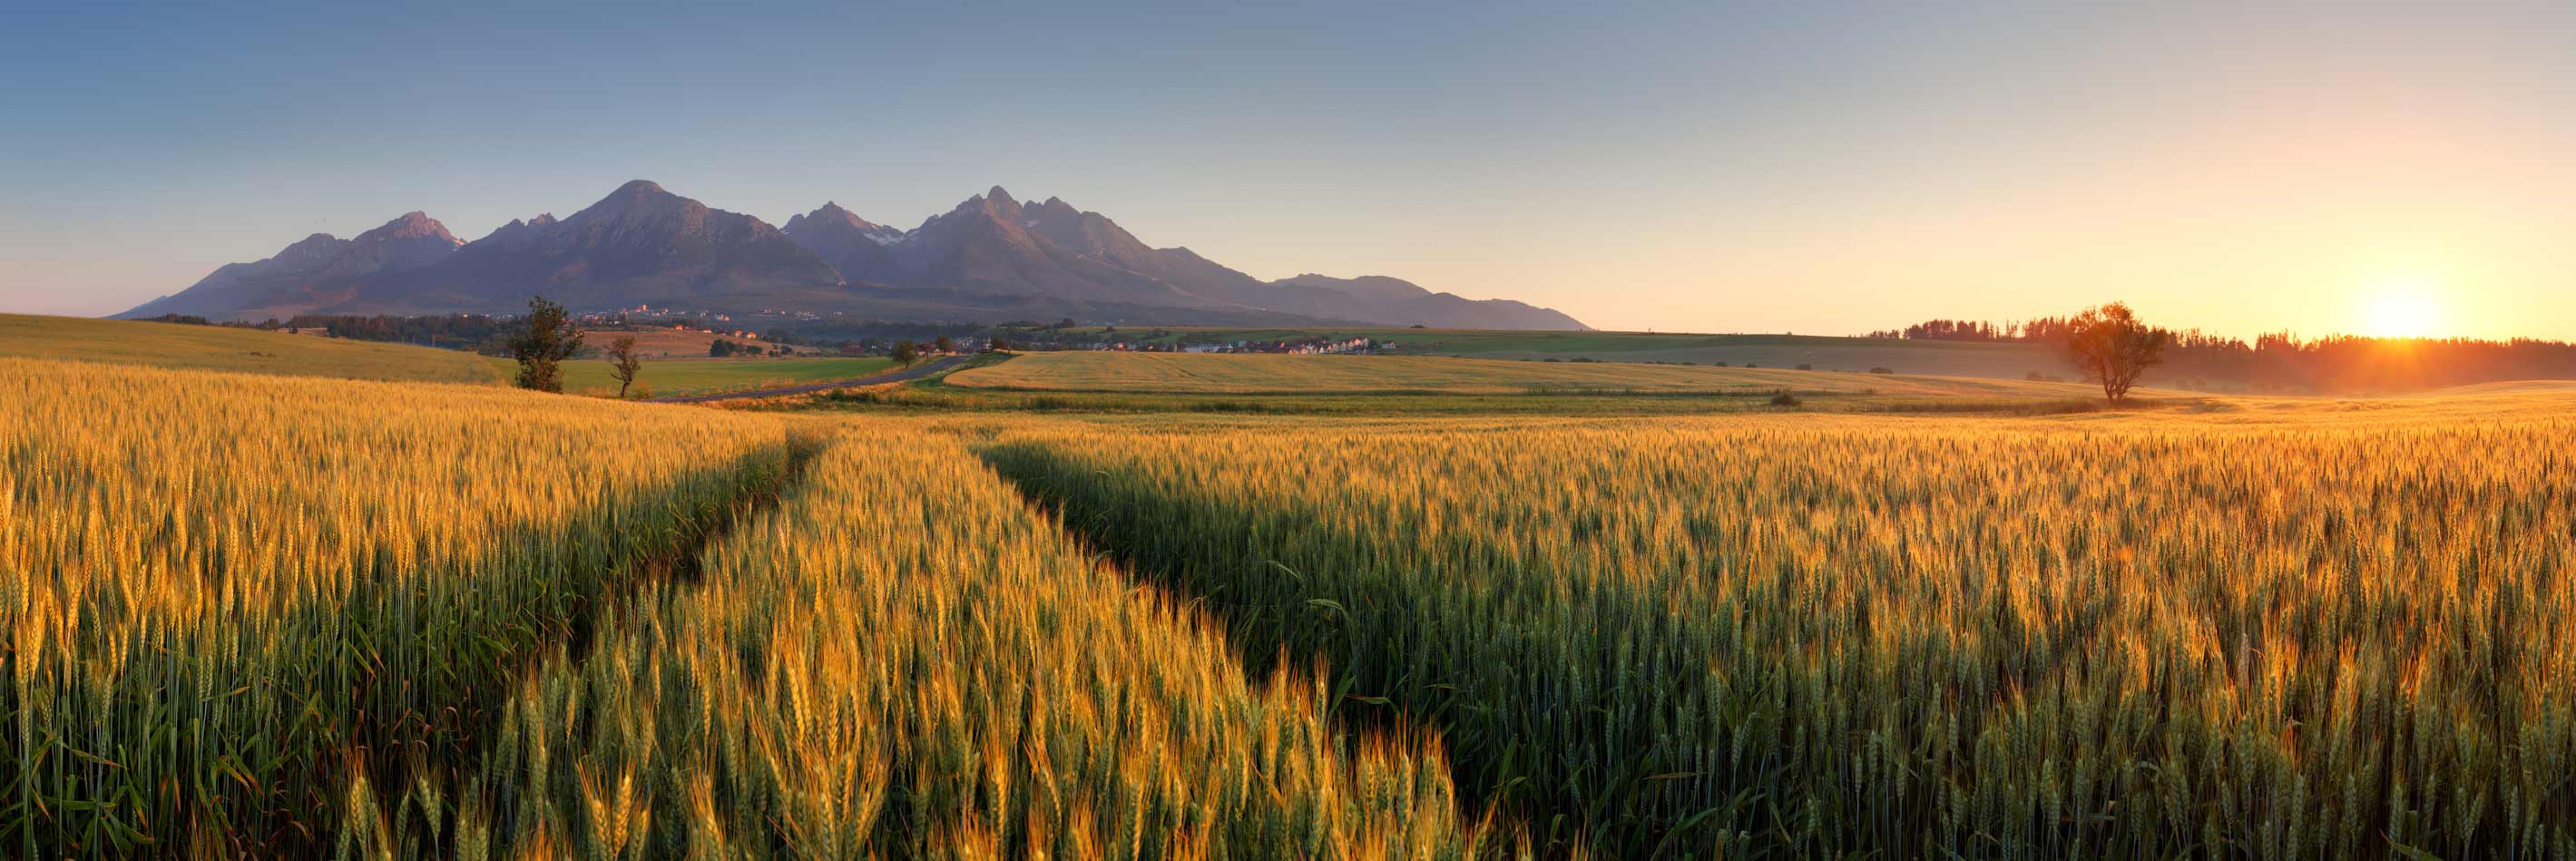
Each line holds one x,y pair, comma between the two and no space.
990,258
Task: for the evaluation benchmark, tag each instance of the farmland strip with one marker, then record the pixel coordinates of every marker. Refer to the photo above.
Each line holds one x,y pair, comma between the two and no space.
905,660
211,631
1687,638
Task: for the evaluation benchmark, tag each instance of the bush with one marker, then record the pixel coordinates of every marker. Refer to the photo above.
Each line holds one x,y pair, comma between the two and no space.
1806,367
1882,370
1785,398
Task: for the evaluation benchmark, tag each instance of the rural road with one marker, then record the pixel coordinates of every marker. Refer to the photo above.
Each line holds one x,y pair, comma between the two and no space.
912,373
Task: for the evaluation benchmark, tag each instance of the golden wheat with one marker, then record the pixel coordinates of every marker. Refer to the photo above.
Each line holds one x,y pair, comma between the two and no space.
903,659
1793,635
221,590
246,615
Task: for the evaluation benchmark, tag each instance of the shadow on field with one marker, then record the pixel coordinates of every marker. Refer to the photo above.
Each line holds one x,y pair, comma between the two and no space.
447,732
1390,645
254,742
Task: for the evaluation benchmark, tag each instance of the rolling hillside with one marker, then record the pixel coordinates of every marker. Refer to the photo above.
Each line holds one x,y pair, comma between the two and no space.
219,348
699,376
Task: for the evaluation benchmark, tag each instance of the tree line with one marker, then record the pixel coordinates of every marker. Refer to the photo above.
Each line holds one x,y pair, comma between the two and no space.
2284,362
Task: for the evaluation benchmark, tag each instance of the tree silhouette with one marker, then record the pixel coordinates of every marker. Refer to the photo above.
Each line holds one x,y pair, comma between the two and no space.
2112,347
624,363
549,338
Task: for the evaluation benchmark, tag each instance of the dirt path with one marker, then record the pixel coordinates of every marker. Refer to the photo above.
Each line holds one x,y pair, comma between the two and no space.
913,373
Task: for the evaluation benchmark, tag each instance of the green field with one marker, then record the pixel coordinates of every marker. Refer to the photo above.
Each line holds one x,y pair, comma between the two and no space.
707,376
1227,373
1940,358
219,348
222,348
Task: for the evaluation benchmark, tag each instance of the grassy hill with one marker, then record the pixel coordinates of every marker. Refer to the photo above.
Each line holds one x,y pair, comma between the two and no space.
700,376
1221,373
219,348
664,342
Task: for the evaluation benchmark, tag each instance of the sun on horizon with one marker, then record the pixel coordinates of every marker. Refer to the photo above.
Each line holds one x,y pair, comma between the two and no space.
2403,307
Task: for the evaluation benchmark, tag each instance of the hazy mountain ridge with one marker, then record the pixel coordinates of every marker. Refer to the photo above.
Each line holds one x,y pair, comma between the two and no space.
991,256
317,269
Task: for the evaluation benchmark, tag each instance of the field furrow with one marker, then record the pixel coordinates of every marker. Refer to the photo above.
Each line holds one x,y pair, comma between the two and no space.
1688,638
906,660
216,622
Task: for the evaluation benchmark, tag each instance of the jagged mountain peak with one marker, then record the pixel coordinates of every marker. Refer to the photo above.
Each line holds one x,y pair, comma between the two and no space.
832,214
990,255
319,246
638,196
518,226
411,225
1054,207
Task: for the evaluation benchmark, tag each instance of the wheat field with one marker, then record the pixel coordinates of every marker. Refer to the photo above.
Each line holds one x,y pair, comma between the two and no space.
2349,636
318,620
265,616
221,591
904,660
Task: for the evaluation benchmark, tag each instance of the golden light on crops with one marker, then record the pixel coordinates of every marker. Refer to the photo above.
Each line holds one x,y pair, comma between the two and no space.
2403,307
2331,633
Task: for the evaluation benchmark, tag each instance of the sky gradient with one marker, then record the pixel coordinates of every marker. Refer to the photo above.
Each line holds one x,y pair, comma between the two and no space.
1712,167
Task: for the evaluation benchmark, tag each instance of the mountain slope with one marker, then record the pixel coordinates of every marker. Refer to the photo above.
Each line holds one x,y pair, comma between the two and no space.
1396,301
316,270
989,257
640,244
853,245
992,243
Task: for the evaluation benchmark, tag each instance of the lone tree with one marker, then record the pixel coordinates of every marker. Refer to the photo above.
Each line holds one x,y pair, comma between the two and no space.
624,362
2110,346
905,351
945,345
549,339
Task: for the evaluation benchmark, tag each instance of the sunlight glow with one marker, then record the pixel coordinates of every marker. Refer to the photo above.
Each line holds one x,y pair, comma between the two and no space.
2402,308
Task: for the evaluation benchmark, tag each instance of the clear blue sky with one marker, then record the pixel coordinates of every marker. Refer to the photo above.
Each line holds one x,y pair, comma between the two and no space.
1692,166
